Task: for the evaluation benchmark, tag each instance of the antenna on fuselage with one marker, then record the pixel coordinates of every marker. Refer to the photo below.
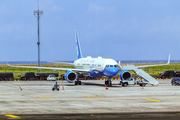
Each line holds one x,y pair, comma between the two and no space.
79,54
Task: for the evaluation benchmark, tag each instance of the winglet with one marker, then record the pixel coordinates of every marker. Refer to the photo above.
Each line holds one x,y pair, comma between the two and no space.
169,59
79,54
119,64
6,61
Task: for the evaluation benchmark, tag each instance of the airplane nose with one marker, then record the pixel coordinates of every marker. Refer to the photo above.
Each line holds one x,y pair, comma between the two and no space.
111,71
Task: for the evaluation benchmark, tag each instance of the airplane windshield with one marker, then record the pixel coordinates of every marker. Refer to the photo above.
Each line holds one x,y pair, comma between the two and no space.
111,65
107,65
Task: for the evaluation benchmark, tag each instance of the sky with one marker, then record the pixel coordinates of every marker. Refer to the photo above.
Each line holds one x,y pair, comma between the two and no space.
119,29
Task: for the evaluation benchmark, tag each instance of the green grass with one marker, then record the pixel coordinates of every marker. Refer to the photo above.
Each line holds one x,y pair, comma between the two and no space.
153,71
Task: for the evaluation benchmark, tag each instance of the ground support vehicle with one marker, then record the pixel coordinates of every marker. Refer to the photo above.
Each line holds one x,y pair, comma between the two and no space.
36,76
142,82
130,81
28,76
175,81
51,78
43,76
55,86
9,76
169,74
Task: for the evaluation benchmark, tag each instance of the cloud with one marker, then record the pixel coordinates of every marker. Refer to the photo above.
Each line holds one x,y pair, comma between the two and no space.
93,8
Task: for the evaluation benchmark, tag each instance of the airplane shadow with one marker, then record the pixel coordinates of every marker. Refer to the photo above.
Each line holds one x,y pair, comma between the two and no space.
94,84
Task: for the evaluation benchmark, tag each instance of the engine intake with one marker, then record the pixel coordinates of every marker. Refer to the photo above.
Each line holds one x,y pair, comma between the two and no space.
70,76
124,75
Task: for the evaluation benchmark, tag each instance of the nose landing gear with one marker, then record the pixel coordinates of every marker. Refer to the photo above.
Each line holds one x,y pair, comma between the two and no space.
108,82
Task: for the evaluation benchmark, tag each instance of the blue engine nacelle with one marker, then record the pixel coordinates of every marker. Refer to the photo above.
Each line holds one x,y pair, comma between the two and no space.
124,75
70,76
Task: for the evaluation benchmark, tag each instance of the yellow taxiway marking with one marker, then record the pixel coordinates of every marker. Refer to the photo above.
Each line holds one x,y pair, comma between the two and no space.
153,100
41,97
12,116
96,96
92,115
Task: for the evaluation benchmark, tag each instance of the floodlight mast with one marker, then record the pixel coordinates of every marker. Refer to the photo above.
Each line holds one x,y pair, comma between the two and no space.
38,14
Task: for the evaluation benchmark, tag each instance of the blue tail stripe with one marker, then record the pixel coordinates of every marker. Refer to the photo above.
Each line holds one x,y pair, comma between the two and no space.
79,54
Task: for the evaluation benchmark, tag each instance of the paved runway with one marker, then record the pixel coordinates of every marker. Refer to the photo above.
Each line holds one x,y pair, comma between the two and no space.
36,97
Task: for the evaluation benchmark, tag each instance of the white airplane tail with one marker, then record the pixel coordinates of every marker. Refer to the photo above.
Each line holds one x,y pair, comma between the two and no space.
79,54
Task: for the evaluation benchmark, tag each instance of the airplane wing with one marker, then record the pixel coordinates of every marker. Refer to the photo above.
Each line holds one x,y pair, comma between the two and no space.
62,63
155,65
53,68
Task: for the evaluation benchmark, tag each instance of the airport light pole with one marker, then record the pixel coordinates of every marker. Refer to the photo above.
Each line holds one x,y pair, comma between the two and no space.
38,14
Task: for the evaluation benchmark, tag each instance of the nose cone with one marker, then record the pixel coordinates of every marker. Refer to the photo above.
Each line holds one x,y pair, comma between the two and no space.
111,71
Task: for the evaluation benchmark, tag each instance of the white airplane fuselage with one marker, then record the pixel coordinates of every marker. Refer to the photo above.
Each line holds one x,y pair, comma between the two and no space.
98,66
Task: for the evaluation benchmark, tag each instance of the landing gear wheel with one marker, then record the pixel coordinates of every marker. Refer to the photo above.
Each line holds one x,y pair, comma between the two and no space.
125,84
77,82
106,82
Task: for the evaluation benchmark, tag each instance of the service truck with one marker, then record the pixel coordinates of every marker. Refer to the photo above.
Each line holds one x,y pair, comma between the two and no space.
132,81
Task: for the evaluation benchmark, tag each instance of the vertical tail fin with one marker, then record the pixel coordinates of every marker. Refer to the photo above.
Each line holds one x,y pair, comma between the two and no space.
79,54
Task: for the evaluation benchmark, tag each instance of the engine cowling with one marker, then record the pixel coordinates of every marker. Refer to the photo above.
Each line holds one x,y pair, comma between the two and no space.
70,76
124,75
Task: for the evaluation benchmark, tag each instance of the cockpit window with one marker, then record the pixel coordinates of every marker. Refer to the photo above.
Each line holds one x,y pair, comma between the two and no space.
111,65
107,65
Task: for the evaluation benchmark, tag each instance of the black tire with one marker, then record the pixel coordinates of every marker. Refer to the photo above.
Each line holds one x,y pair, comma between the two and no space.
125,84
76,82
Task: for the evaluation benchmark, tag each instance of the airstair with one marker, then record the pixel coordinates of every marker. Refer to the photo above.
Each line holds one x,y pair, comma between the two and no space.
141,73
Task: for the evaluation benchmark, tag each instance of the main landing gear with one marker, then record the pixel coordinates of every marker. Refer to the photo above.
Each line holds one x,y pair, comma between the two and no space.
77,82
108,82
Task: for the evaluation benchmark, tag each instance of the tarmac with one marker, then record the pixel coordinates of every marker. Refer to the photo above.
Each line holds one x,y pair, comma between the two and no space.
92,97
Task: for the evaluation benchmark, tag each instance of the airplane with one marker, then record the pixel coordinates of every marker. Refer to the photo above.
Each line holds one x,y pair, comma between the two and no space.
98,67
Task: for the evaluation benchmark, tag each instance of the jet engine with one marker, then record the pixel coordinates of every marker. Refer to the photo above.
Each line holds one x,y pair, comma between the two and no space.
70,76
124,75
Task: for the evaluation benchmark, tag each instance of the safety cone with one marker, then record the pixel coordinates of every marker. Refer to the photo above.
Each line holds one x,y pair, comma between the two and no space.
106,86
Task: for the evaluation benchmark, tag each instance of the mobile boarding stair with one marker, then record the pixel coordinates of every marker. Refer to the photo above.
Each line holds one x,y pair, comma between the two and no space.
141,73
